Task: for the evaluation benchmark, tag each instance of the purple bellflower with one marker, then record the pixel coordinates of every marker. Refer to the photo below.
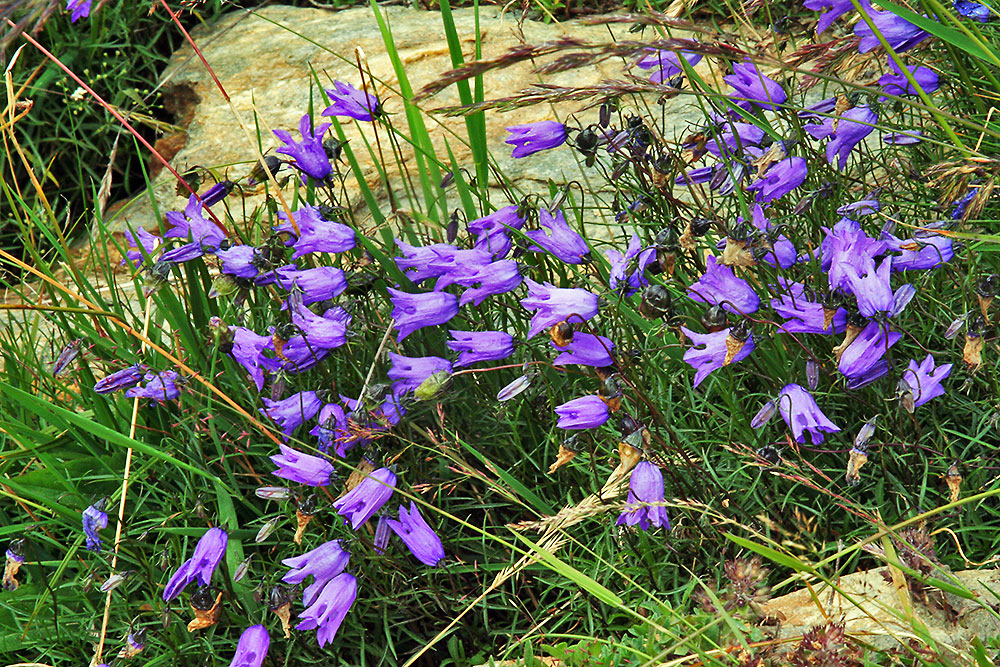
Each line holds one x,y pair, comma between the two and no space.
899,33
94,519
80,9
862,362
855,124
780,179
805,315
923,381
429,261
555,304
583,412
799,410
531,138
297,356
920,252
666,64
733,137
205,235
907,138
349,101
561,240
836,9
316,233
719,287
292,412
328,331
206,557
141,239
309,155
497,277
973,10
302,468
847,252
895,83
501,220
360,503
318,284
333,430
415,311
252,647
330,608
708,352
123,379
875,295
239,261
410,372
418,536
620,274
587,350
322,563
645,491
247,349
159,387
751,84
474,346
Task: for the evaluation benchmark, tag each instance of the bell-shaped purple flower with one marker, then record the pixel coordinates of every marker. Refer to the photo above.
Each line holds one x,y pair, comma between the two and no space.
160,387
414,311
625,273
360,503
302,468
836,9
148,242
80,9
247,349
587,350
330,608
875,295
292,412
309,155
349,101
867,350
319,284
193,226
123,379
846,252
316,233
252,647
501,220
410,372
780,179
645,493
328,331
973,10
497,277
895,83
751,84
322,563
94,519
900,34
561,240
531,138
927,251
207,555
799,410
709,352
666,64
239,261
583,412
474,346
419,537
555,304
719,287
806,315
923,381
855,124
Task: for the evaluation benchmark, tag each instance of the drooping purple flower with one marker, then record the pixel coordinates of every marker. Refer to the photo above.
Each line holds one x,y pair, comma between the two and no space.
322,564
667,64
415,311
531,138
316,233
66,357
708,352
630,276
192,225
645,495
780,179
487,280
899,33
410,372
123,379
561,240
875,295
247,349
751,84
160,386
501,220
80,9
330,608
148,242
252,647
206,557
896,83
328,331
474,346
583,412
855,124
923,380
799,410
292,412
318,284
349,101
866,352
903,138
94,519
587,350
837,8
430,261
973,10
458,267
719,287
217,193
781,252
302,468
239,261
418,536
309,155
847,251
806,315
733,138
927,251
297,355
360,503
555,304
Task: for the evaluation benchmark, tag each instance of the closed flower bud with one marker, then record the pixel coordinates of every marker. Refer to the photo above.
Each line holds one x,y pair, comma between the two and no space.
812,374
715,319
433,387
267,529
656,302
242,569
115,580
954,327
273,493
514,388
764,415
865,434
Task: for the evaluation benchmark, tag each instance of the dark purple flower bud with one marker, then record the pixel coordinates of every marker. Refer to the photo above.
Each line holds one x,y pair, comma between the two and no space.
667,64
330,608
148,242
206,557
865,351
718,286
476,346
309,155
694,176
360,503
751,85
123,379
587,350
955,325
973,10
555,304
534,137
293,411
896,83
239,261
923,381
252,647
419,537
645,493
94,519
217,193
859,208
899,33
316,233
561,240
349,101
799,410
80,9
710,351
322,563
410,372
414,311
764,415
583,412
66,357
837,8
780,179
302,468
